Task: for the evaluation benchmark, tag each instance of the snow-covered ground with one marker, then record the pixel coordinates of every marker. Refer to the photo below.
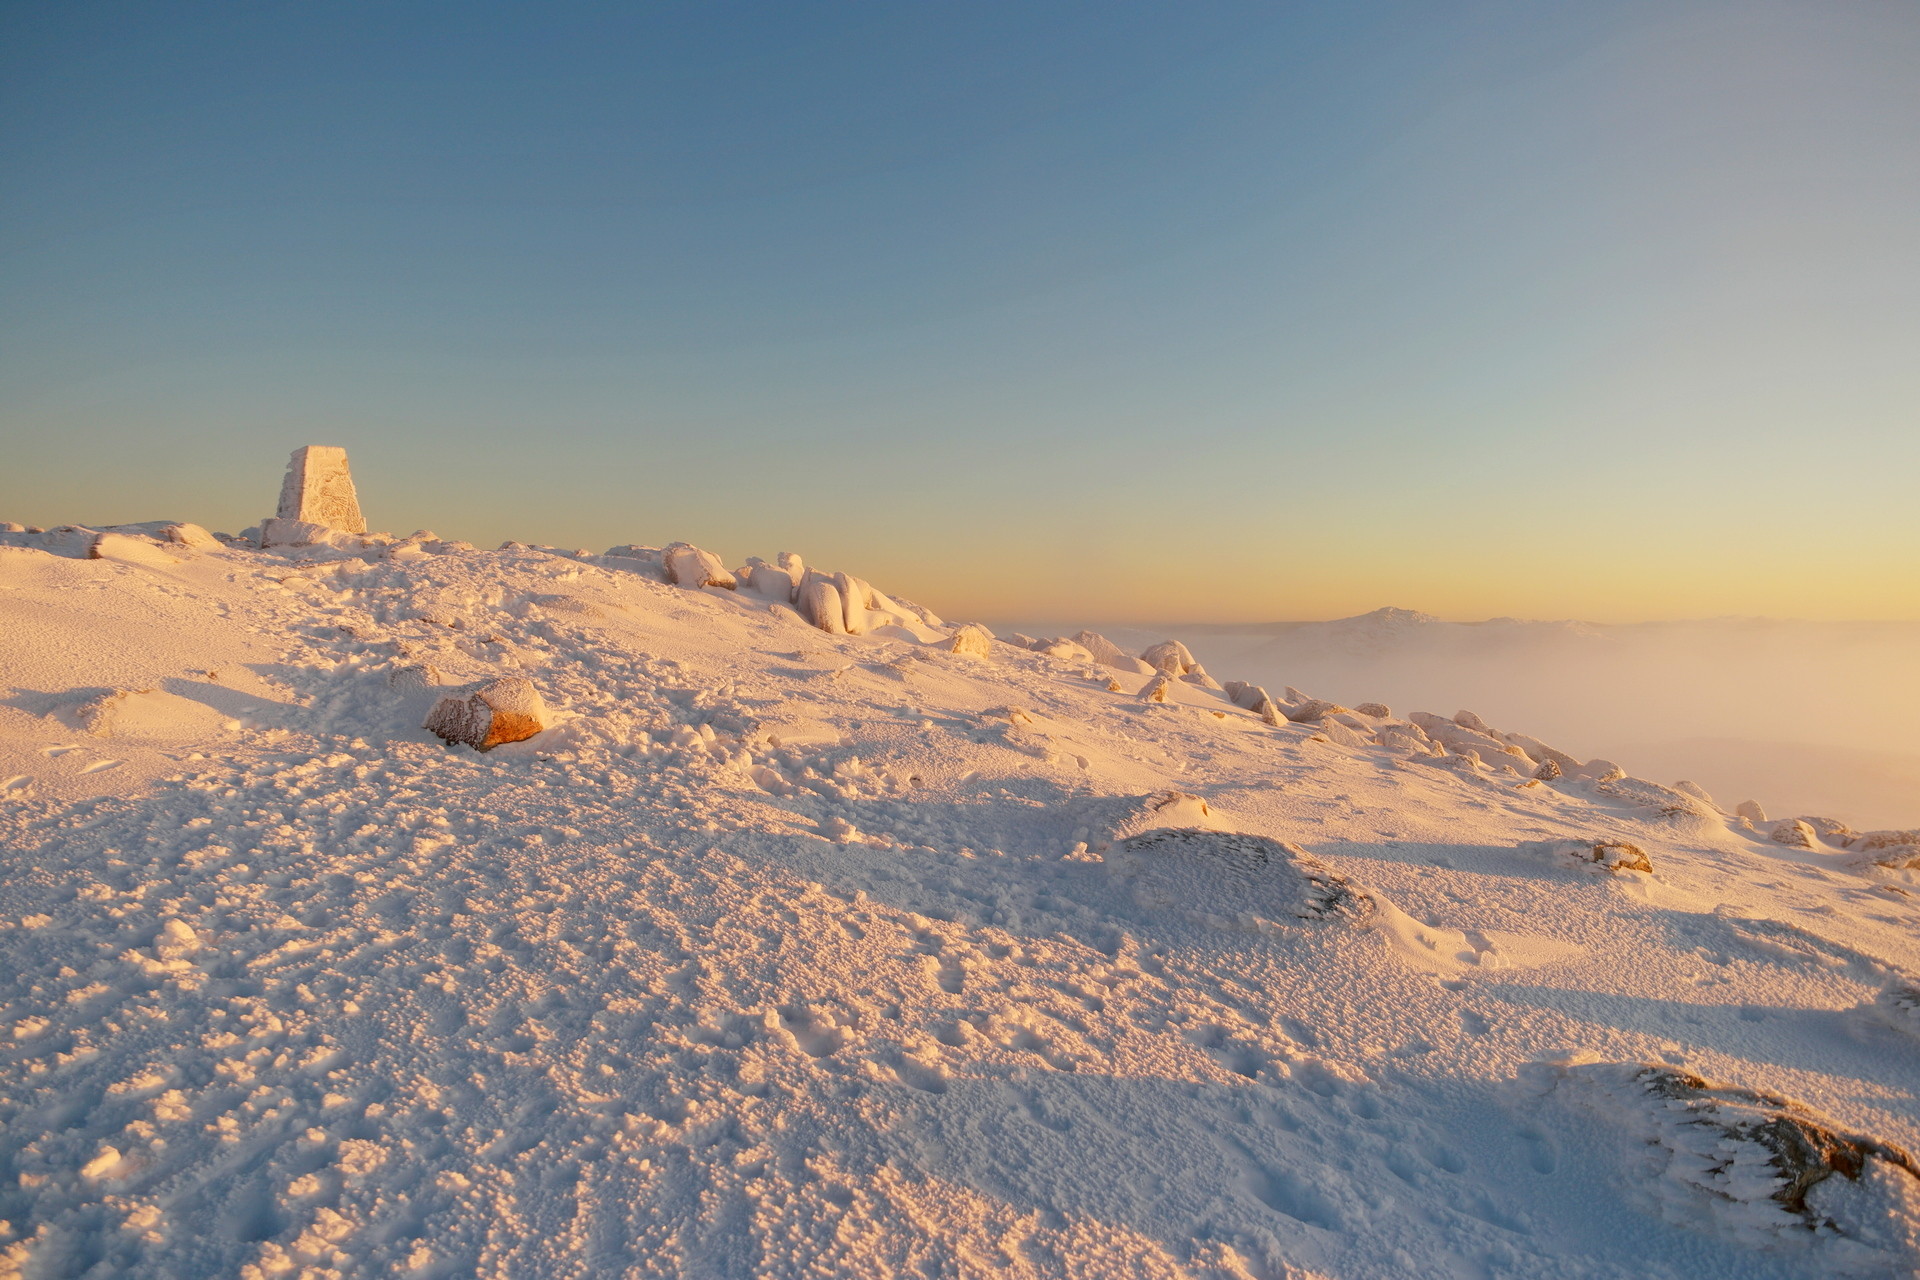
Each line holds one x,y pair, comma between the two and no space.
790,953
1802,716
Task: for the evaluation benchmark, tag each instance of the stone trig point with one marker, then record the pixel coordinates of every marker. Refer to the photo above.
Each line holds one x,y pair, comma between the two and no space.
319,489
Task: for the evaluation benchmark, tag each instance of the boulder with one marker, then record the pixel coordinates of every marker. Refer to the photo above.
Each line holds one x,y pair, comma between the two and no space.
1169,657
1751,811
689,566
319,489
505,710
973,640
1242,694
1197,674
1468,720
1312,711
819,604
1156,689
280,531
1547,771
1793,833
1066,650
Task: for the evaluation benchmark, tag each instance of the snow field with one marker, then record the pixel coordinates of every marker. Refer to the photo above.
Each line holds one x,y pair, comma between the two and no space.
794,953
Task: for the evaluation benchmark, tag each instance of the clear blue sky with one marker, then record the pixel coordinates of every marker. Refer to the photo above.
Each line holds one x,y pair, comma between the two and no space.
1145,311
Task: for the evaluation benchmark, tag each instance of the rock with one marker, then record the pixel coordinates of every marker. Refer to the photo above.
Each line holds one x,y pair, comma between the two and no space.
1114,686
1270,711
1156,689
1832,830
1312,711
819,604
856,597
1108,654
1751,1160
1376,710
1751,811
1198,675
1793,833
188,535
1404,737
1869,841
1547,771
689,566
319,489
1618,855
1601,770
1698,792
506,710
1066,650
1242,694
133,550
1012,715
1539,750
282,532
769,582
1169,657
1468,720
972,640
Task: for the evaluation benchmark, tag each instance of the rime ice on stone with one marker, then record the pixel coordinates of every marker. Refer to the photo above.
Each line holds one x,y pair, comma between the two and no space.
507,710
319,490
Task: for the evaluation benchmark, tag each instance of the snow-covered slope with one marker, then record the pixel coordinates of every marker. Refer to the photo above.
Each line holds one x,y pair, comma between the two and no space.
1798,715
790,953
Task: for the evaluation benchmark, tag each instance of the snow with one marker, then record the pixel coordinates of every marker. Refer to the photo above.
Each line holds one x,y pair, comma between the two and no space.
786,951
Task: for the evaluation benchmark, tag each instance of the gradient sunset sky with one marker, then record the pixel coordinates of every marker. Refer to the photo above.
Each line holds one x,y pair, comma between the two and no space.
1103,311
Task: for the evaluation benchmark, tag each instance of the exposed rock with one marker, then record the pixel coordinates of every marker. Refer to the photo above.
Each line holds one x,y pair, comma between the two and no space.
1793,833
973,640
1868,841
1378,710
1270,712
689,566
1751,811
1832,830
1618,855
1547,771
505,710
1155,689
1729,1151
319,489
1312,711
1012,715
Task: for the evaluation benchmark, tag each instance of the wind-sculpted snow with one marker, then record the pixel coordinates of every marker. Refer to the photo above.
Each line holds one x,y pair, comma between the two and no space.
791,952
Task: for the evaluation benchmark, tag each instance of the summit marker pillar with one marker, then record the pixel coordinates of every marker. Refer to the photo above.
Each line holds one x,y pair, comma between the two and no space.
319,489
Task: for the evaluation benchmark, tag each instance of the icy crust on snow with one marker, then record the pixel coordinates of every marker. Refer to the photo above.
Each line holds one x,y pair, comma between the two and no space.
791,952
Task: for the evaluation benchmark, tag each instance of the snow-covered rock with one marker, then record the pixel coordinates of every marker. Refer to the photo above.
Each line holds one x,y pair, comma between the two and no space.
1756,1167
819,604
505,710
971,640
689,566
1169,657
1108,654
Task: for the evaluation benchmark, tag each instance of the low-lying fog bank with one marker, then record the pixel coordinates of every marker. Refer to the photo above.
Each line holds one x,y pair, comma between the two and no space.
1805,717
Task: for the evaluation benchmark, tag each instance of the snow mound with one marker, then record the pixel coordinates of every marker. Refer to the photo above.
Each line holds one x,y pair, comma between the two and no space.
1758,1168
1226,880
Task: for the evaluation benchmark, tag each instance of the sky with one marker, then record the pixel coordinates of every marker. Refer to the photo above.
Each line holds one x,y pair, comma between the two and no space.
1208,311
